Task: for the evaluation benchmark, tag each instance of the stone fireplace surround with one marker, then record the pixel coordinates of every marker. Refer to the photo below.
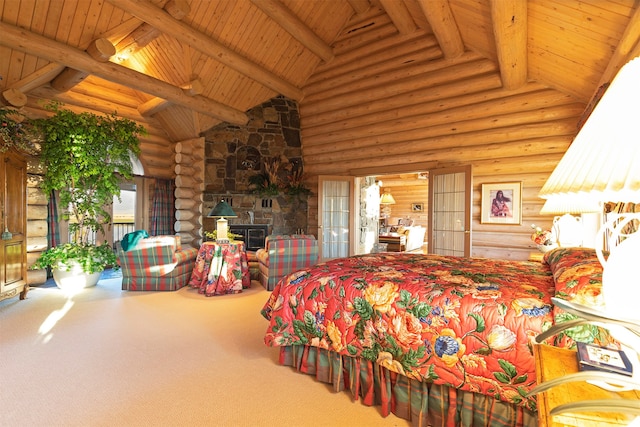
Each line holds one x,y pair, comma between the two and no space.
234,153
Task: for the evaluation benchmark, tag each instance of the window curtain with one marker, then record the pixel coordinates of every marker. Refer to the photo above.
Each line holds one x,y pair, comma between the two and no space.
53,235
162,212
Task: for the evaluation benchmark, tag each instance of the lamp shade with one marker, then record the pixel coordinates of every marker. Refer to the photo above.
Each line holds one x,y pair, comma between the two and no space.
571,204
387,199
222,209
604,159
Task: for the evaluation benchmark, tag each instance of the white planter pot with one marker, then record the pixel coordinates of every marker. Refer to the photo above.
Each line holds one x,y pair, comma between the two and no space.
74,279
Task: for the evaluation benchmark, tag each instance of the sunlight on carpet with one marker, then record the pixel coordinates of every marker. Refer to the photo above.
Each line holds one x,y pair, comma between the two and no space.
107,357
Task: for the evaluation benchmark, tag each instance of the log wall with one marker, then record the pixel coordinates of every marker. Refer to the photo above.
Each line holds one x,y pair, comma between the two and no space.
385,109
189,190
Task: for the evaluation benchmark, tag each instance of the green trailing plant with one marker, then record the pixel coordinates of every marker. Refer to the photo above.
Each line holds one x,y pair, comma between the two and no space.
85,156
91,258
17,132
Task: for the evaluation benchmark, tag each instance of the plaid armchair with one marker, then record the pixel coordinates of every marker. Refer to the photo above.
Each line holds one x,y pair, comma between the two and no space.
156,263
285,254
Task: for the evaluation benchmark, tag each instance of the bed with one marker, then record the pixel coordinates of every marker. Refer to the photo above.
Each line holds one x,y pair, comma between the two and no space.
433,339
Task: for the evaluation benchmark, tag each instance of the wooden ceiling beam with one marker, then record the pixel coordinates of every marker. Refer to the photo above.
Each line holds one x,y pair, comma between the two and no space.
294,26
13,97
360,6
156,17
626,50
399,15
443,24
38,78
100,50
145,33
155,105
35,44
509,19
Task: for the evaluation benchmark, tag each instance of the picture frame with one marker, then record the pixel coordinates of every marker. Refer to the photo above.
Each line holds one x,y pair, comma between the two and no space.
417,207
501,203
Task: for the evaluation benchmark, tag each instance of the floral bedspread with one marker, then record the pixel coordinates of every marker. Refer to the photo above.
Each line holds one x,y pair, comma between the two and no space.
462,322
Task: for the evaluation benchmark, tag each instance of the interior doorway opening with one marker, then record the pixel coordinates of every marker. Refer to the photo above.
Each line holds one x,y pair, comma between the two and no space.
124,212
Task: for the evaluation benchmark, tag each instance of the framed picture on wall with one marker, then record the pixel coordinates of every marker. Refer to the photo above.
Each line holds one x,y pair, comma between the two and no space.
417,207
502,203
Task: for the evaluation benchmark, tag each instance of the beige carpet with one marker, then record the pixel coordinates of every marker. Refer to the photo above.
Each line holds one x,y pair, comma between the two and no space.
105,357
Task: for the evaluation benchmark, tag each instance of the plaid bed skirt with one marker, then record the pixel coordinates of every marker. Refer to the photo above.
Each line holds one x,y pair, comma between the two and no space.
424,404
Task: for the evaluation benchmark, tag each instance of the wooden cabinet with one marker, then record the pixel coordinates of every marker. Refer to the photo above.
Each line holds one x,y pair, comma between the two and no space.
394,243
13,245
553,362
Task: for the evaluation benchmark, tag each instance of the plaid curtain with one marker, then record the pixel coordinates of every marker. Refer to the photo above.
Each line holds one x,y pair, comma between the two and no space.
53,234
163,211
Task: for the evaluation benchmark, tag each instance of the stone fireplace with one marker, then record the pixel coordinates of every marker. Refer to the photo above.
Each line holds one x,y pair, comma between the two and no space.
233,154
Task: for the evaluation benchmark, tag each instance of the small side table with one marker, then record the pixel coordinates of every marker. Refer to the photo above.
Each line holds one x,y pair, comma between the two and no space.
536,256
553,362
221,268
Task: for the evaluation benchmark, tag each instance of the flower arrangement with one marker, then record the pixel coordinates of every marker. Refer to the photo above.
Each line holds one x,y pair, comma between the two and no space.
213,235
544,239
273,181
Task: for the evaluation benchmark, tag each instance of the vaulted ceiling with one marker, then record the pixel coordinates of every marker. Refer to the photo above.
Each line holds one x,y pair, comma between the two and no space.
182,66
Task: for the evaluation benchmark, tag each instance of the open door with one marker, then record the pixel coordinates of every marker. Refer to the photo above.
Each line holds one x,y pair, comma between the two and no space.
450,201
336,229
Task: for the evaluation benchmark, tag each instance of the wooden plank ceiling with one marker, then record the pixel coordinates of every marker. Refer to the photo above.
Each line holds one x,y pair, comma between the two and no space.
181,66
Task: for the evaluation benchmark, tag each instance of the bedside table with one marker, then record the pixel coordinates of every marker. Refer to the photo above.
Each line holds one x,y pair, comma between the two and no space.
535,256
553,362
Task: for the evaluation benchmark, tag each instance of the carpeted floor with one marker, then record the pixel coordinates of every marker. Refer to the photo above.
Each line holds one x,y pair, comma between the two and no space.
105,357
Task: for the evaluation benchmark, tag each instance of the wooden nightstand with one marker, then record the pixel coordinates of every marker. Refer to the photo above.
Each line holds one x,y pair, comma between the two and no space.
553,362
535,256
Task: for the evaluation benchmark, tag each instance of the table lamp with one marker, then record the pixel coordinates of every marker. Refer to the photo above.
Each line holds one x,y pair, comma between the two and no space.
386,200
603,164
569,230
220,211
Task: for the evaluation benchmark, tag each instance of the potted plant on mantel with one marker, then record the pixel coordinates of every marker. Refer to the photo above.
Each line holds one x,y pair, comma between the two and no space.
85,157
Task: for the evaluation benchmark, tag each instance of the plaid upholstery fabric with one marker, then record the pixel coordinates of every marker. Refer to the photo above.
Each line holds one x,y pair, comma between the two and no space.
285,254
156,264
53,221
163,212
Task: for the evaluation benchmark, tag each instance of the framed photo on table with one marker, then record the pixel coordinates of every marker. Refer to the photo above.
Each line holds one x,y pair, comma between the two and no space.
502,203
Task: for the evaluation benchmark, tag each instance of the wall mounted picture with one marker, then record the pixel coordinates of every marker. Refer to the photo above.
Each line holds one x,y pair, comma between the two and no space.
502,203
417,207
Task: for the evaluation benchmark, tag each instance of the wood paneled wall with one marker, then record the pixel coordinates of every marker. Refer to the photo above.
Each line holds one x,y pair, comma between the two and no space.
396,106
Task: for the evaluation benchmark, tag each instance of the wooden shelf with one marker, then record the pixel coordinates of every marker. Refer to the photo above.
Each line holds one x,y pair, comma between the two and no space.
553,362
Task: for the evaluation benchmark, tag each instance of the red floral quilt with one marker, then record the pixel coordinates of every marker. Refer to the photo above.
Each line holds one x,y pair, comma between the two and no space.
463,322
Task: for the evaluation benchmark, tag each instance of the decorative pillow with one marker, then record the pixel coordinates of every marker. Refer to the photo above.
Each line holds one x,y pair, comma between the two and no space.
129,240
577,273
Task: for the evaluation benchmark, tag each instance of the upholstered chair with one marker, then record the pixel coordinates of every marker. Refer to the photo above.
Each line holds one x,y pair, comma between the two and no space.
284,254
157,263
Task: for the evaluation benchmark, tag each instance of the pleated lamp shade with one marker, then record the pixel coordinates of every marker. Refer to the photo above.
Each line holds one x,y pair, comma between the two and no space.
604,159
603,163
387,199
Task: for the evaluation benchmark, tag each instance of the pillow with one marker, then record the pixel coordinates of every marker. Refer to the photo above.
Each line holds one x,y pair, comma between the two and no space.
129,240
577,274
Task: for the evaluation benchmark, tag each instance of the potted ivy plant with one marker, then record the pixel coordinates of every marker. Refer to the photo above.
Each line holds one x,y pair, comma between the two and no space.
85,156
